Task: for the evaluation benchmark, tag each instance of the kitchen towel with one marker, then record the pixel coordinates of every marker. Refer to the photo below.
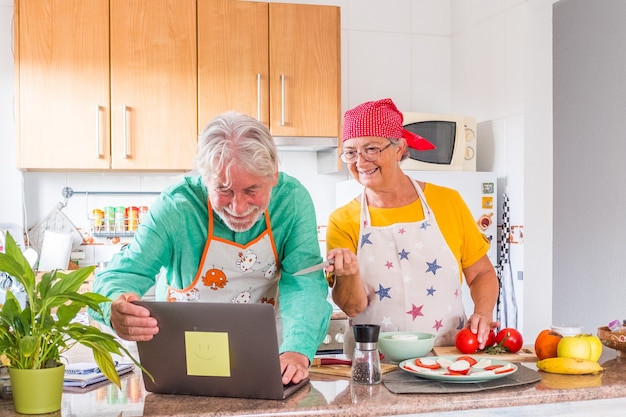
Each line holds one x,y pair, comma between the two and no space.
55,251
402,382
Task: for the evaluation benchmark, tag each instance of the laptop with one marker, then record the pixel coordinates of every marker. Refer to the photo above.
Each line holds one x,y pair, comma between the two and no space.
214,349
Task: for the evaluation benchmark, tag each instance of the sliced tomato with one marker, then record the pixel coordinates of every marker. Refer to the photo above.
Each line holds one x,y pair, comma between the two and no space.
459,367
492,367
503,371
472,361
427,365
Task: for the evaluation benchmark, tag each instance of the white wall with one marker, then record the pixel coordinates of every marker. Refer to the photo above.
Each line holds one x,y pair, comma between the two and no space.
589,146
487,58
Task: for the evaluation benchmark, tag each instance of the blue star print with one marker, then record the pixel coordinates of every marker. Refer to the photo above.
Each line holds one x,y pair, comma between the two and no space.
383,292
425,225
433,267
461,324
366,239
430,291
404,254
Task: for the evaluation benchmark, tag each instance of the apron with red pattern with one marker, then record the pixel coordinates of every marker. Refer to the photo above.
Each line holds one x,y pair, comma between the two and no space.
230,272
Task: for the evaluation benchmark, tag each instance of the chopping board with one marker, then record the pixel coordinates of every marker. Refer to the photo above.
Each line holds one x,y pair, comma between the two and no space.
526,354
346,370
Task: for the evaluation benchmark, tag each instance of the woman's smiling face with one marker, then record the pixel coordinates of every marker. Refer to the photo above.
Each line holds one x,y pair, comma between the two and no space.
376,159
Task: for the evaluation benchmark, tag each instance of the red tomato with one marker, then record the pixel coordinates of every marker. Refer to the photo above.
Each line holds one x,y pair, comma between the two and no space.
469,360
434,365
491,339
510,339
466,341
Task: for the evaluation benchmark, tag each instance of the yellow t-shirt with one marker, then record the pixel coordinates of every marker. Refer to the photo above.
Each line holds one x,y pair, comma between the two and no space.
460,230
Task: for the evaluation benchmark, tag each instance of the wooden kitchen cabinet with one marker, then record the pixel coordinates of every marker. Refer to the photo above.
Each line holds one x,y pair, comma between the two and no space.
278,62
96,93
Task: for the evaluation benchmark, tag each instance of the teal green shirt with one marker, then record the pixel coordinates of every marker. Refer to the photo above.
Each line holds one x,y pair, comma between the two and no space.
171,240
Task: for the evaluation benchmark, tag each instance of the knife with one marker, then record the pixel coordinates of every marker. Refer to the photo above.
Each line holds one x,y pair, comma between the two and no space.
315,267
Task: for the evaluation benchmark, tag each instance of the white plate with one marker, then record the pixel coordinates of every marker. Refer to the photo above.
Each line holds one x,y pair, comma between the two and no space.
475,374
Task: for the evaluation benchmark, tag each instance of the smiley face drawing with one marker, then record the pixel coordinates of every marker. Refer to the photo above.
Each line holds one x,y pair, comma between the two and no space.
207,353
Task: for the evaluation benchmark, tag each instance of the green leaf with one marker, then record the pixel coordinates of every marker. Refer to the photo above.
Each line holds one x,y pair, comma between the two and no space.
67,313
70,283
28,346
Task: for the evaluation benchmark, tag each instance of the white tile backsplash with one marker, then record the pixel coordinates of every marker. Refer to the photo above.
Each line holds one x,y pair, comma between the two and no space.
380,66
430,17
430,74
376,16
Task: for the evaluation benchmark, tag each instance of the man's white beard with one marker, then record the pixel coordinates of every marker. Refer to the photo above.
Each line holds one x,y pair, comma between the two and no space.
239,225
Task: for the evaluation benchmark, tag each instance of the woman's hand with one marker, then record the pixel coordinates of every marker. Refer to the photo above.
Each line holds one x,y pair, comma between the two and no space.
345,262
481,325
348,292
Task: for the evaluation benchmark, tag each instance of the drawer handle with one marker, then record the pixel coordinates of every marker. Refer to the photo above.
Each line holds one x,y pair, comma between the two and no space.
282,97
125,154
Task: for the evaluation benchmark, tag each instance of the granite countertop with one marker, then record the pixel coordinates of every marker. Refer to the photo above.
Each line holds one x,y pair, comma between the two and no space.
338,397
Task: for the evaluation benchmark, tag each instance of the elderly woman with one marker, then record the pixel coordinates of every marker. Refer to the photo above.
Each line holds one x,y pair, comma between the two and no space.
402,248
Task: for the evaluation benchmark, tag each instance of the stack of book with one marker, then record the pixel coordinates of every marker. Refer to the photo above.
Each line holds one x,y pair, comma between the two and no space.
83,374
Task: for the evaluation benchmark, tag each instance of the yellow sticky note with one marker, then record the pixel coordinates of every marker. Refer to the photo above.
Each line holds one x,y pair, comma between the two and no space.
207,353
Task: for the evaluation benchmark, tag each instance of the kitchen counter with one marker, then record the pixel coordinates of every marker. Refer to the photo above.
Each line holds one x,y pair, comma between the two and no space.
336,396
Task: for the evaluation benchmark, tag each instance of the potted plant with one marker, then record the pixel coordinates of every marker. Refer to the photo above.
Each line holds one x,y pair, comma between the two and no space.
34,336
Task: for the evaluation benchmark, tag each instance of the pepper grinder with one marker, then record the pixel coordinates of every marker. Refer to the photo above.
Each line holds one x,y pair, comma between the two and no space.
366,359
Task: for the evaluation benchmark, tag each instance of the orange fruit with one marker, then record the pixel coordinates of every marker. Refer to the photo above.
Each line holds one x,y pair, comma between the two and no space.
546,344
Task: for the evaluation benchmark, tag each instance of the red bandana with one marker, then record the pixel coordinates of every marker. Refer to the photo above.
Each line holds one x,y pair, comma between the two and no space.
383,119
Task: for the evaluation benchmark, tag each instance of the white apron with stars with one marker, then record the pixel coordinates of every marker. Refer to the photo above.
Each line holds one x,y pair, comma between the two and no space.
411,278
230,272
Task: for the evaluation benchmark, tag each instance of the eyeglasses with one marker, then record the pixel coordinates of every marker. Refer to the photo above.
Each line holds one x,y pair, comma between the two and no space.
370,154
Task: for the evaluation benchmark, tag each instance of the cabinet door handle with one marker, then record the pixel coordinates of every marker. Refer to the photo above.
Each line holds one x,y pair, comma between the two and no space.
282,98
258,97
98,134
125,154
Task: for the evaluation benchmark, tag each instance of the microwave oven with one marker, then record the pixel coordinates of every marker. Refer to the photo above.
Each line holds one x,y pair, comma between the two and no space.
454,137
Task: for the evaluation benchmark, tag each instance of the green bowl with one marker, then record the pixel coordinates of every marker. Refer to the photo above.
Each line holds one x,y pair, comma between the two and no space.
399,346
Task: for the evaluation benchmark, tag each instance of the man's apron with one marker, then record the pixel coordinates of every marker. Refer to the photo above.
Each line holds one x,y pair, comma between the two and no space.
230,272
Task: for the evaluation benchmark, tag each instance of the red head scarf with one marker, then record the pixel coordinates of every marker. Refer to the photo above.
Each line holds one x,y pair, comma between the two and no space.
380,118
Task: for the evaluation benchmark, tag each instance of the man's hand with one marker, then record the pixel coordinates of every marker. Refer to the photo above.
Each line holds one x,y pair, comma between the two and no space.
130,321
294,367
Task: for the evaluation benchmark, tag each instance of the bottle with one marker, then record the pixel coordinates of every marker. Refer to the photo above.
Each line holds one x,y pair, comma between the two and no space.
133,218
109,219
98,220
366,367
120,219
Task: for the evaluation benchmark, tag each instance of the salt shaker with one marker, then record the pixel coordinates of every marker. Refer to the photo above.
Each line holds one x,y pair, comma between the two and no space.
366,367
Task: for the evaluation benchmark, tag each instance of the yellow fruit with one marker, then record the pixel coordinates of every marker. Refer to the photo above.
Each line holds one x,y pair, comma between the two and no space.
573,347
595,344
569,366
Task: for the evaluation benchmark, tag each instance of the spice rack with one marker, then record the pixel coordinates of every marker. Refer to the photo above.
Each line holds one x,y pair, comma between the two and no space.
116,221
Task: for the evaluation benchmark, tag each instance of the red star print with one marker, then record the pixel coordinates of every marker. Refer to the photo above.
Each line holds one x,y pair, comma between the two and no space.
438,325
415,311
456,293
389,264
401,230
